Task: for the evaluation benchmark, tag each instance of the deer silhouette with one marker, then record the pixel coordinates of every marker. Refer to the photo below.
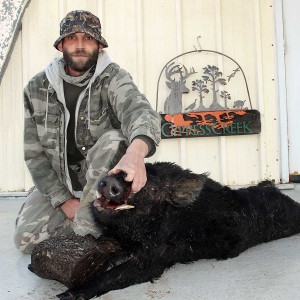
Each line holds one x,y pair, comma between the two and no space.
173,104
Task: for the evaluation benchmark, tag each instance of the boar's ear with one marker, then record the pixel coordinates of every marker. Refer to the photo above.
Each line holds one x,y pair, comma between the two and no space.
187,190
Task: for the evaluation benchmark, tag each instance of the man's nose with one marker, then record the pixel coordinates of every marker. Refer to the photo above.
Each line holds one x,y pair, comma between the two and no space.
80,43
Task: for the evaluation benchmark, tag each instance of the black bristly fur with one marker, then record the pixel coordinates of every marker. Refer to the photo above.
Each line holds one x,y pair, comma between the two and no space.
181,217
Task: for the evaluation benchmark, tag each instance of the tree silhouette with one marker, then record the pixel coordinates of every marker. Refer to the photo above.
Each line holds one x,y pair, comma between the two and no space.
226,96
214,76
200,86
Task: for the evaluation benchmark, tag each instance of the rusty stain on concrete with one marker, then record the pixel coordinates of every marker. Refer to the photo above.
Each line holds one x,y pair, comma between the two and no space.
11,12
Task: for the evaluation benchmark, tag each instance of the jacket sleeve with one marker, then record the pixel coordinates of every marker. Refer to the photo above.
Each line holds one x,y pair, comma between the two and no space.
133,109
44,176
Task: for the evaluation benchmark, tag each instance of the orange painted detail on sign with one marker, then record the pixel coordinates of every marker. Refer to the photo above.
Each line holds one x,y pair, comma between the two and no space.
211,123
223,118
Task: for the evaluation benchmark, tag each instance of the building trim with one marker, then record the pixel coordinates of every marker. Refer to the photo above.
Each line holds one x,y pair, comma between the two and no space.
10,24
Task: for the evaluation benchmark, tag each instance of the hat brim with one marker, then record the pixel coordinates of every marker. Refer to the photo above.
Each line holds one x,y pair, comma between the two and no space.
101,40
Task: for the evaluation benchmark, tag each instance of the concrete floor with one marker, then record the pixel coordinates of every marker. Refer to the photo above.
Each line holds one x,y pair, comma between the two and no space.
266,272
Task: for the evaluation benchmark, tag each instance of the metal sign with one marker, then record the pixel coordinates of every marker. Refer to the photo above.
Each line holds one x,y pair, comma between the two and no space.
214,110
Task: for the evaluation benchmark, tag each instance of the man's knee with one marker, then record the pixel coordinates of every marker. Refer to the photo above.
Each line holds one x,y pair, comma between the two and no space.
38,220
107,143
25,241
100,156
26,237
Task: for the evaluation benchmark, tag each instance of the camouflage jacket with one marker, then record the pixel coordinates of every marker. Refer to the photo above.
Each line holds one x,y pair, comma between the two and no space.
113,101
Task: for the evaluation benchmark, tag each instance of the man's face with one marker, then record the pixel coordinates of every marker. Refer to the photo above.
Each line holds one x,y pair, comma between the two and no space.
80,52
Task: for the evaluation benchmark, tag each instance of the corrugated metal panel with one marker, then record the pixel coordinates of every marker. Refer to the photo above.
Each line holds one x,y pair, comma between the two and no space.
143,35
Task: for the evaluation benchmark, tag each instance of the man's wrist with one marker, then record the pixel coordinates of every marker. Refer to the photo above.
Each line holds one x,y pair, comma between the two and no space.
138,147
150,144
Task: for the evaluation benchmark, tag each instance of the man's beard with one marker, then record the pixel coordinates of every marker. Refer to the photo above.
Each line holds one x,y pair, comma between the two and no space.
80,65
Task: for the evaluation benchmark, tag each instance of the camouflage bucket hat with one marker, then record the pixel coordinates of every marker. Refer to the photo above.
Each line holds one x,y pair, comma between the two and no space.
81,21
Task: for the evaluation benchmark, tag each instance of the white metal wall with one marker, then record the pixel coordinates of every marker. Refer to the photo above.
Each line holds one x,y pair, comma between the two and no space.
143,35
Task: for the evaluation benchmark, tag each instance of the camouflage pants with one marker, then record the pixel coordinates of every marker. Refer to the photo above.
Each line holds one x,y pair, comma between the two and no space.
38,220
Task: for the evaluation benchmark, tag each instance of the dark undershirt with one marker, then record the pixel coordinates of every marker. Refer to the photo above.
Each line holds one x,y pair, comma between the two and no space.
72,93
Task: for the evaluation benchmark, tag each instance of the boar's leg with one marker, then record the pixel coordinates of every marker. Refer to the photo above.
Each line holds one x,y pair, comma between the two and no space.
73,259
135,270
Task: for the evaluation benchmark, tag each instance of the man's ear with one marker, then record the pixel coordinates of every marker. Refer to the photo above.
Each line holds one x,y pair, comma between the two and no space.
100,47
60,46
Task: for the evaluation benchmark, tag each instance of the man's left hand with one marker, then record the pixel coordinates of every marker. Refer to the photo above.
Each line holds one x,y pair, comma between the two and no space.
132,163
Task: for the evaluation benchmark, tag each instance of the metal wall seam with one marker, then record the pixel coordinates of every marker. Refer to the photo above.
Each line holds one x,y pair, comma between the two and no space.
281,91
260,91
140,45
223,166
179,36
101,15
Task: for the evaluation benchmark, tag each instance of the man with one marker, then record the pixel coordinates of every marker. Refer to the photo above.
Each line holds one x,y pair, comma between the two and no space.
76,113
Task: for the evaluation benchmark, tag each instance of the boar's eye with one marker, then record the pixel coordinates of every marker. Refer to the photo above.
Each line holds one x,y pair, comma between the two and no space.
150,188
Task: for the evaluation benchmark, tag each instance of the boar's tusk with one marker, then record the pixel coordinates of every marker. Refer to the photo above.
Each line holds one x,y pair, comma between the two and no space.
124,206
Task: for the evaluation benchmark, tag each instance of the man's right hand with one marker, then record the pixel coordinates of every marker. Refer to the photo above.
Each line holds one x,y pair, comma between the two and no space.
70,207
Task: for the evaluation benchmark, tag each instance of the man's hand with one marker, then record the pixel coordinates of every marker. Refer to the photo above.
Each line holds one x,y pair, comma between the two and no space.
70,207
132,163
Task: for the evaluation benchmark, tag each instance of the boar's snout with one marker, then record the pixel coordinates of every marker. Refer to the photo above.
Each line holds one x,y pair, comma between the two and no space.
113,187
